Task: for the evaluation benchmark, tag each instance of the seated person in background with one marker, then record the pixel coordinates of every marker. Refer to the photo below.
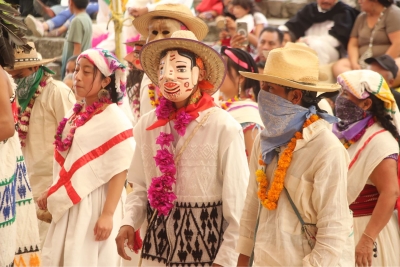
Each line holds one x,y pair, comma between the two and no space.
375,32
287,35
385,66
233,12
209,9
71,64
269,39
59,24
324,26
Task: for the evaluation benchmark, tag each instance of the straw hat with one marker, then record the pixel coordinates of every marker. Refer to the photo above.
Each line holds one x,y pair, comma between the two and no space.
214,65
141,42
296,66
25,60
173,11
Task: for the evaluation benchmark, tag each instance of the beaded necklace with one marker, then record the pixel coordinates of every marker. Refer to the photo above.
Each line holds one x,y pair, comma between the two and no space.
229,102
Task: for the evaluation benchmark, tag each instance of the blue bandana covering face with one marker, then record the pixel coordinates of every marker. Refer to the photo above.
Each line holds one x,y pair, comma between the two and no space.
282,119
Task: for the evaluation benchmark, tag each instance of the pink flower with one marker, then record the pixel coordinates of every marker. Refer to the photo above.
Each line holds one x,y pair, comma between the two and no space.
164,139
164,109
182,120
163,158
168,169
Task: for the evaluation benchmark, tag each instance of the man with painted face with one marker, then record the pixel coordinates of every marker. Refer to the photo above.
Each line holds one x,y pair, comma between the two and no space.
298,171
189,171
43,103
160,24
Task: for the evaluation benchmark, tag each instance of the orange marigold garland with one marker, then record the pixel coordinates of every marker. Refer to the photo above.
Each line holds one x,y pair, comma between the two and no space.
269,199
152,95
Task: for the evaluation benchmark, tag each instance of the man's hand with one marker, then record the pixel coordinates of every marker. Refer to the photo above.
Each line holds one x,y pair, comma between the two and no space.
126,232
42,201
137,12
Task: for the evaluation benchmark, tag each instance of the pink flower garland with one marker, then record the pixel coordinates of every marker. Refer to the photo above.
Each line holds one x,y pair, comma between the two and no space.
63,145
160,192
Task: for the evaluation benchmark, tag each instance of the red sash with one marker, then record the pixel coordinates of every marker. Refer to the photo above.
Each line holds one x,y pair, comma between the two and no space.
365,203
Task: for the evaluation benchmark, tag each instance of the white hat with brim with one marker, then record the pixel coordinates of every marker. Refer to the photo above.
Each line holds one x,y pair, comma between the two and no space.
293,66
25,60
214,64
173,11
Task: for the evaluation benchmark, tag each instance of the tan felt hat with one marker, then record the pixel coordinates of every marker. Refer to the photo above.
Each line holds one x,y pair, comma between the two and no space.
25,60
173,11
214,64
296,66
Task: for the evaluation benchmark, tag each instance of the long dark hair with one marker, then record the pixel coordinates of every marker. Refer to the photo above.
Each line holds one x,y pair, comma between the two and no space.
378,109
251,67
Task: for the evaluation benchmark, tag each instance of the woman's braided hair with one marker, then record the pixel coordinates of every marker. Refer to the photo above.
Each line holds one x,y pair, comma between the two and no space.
382,117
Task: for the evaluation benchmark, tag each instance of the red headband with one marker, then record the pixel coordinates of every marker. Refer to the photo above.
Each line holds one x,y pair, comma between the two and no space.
235,59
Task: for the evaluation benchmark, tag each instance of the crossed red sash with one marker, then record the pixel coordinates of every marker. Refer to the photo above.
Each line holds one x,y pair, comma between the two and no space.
65,176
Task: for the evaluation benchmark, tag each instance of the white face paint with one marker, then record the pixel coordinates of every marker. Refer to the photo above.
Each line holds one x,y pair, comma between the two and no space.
176,76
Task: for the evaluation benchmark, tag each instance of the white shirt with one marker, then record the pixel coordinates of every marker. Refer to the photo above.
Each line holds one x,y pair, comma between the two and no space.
213,167
317,182
48,110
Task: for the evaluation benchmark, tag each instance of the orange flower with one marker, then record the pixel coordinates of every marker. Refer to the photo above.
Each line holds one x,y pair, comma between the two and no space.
270,199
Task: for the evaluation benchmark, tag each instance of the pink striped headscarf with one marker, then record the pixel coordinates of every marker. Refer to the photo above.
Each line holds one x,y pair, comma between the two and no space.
108,64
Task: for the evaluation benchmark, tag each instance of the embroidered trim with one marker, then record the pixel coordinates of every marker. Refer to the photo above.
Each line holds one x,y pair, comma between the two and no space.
190,235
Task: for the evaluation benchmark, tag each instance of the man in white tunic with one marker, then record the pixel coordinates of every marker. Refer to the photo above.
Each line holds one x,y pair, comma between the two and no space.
43,103
295,152
189,170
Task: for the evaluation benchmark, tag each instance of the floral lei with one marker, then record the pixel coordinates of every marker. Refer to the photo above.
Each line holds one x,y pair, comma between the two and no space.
229,102
348,143
160,192
81,119
270,199
24,117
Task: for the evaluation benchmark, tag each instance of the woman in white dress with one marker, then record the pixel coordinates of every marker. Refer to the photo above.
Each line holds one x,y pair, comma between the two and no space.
369,130
94,147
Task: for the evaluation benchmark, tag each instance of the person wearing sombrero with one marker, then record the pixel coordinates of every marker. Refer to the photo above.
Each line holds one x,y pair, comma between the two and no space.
298,171
158,24
19,233
135,76
42,103
189,171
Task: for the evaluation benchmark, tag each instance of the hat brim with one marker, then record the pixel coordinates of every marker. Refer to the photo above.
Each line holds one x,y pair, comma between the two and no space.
194,24
318,87
132,44
213,62
30,64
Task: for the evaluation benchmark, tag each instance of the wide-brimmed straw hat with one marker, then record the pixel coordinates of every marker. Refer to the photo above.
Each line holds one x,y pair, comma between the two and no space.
24,60
294,66
214,64
173,11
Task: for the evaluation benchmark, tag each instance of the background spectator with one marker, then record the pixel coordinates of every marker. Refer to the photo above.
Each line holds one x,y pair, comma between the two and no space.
375,32
324,26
